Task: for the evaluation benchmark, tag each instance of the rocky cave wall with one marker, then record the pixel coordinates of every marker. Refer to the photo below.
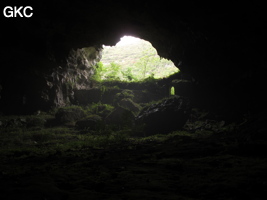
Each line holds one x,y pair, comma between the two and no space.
42,89
76,75
222,47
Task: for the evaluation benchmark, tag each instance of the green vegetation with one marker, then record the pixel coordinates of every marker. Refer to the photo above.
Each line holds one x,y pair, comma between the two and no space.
172,90
133,62
98,108
40,140
47,160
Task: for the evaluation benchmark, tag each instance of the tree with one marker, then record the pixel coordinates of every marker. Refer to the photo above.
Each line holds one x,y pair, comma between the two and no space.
134,63
147,60
112,72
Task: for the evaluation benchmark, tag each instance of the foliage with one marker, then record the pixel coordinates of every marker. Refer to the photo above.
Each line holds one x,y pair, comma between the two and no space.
124,94
98,69
99,109
128,75
107,72
48,140
133,63
172,90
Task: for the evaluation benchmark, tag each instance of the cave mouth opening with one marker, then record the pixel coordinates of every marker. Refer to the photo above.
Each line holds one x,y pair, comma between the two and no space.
133,60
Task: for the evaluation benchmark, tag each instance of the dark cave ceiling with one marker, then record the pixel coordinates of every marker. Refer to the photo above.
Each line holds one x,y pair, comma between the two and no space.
209,39
220,45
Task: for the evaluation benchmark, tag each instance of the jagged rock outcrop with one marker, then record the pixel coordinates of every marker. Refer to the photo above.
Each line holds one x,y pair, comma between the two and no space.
77,75
165,116
30,88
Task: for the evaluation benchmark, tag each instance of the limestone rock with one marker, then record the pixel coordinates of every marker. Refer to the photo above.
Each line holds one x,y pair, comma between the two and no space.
69,114
92,122
120,116
123,95
163,117
130,105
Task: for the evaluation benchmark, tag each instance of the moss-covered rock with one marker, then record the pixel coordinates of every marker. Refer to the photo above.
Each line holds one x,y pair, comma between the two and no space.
121,117
124,94
130,105
92,122
100,109
165,116
69,114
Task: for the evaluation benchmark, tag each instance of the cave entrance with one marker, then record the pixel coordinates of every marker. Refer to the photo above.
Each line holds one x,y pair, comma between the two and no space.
133,59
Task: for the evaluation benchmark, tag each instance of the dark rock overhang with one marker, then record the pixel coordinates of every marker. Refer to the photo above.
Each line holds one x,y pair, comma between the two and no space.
221,46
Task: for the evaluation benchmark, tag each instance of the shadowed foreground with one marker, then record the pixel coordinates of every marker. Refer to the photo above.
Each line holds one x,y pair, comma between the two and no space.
180,165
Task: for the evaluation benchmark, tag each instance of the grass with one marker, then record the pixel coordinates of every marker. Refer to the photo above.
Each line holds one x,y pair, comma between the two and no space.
49,139
60,162
40,140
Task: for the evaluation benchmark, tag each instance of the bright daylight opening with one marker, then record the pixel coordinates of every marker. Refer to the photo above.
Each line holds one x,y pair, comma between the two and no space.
133,59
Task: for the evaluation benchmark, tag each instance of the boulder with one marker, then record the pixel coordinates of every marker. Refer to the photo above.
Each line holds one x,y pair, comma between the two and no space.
130,105
92,122
124,94
100,109
121,117
163,117
69,114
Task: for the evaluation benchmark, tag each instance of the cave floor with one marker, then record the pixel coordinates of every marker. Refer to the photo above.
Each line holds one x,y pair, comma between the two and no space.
181,167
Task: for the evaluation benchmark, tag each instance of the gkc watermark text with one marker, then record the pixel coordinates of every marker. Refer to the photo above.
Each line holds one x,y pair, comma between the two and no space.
22,11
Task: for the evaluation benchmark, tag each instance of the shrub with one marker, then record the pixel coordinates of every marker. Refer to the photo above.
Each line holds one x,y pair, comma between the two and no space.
99,109
125,94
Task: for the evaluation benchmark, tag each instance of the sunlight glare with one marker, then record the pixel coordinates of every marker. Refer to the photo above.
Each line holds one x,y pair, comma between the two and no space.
128,40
